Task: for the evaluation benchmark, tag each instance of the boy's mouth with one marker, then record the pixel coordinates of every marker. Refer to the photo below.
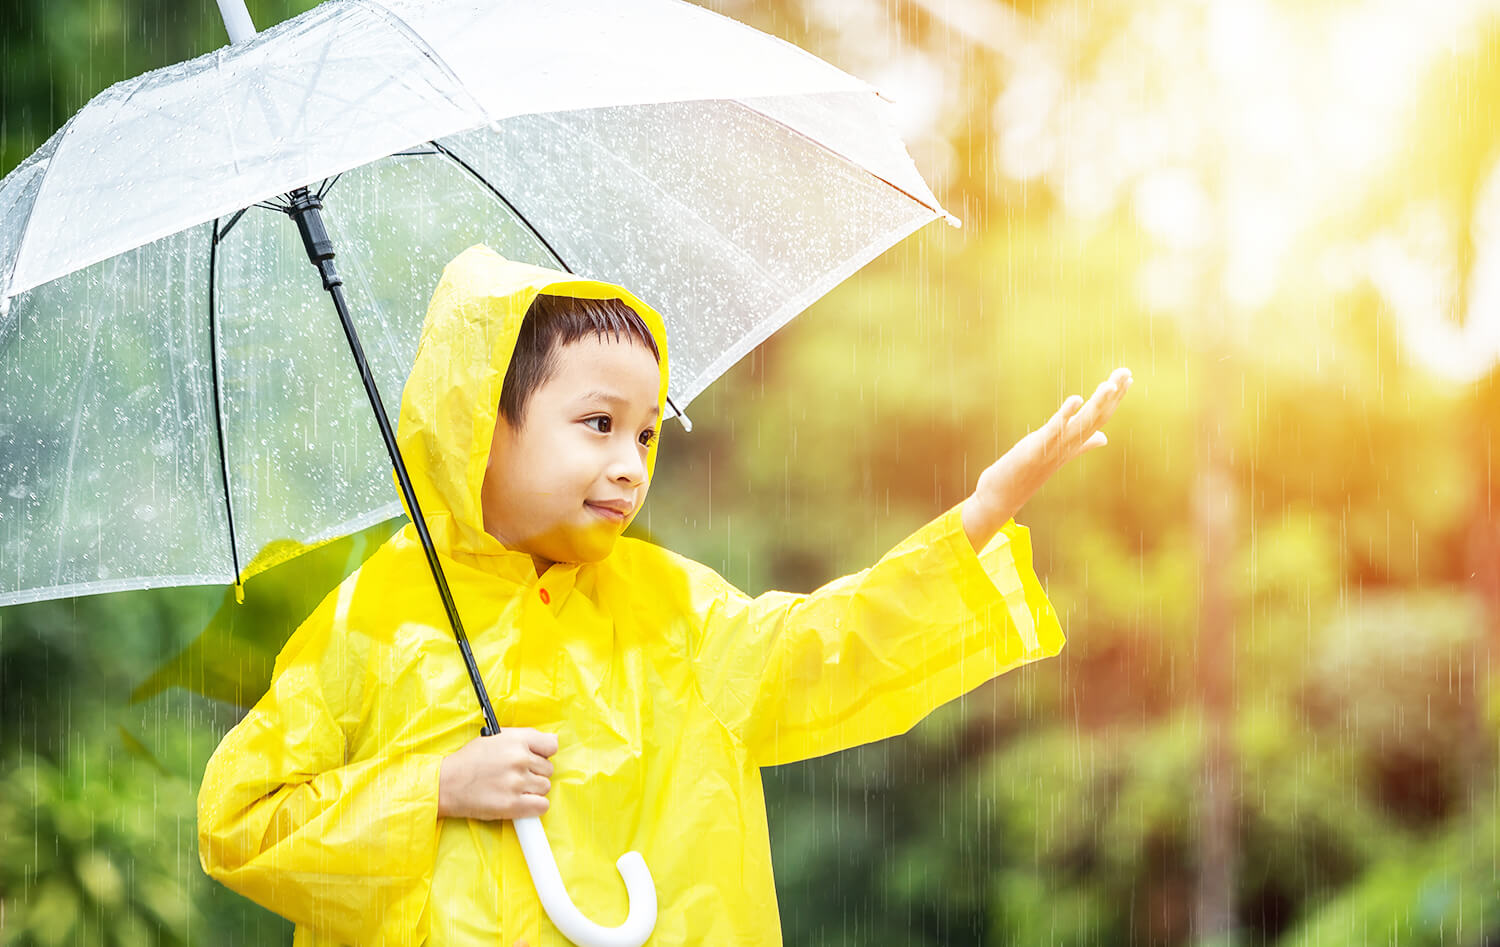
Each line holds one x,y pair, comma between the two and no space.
614,511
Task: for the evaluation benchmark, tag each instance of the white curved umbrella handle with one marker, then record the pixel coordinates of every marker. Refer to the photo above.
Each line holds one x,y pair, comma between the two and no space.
639,888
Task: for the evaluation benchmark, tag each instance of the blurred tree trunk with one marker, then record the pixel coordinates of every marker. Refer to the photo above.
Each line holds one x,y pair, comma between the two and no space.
1213,512
1482,560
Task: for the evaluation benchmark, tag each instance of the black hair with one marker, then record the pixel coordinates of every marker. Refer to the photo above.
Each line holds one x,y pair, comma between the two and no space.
551,323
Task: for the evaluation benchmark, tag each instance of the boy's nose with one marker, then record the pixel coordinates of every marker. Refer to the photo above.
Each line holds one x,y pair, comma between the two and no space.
630,468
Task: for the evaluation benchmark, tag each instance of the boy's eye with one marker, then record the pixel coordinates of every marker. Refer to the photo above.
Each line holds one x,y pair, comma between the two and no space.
603,424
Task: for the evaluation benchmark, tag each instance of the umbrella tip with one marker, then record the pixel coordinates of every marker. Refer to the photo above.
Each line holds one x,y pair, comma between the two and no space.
681,415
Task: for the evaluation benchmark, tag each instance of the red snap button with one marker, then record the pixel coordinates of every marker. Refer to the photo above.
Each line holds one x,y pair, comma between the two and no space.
546,599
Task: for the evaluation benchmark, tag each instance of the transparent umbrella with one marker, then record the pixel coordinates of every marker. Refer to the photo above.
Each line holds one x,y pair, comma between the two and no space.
177,404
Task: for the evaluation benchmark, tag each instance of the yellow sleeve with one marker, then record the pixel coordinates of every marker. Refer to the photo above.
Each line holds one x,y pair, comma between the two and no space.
285,818
868,655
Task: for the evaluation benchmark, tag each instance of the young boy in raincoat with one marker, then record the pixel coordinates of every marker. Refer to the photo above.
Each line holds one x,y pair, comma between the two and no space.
638,693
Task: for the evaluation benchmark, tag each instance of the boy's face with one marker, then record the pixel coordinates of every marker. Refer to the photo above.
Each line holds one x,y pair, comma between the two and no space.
563,485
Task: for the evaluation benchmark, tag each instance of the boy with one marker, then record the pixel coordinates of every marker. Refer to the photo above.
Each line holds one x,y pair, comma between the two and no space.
356,798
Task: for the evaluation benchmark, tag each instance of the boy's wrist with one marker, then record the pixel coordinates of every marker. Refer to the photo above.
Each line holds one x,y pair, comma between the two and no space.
445,788
982,520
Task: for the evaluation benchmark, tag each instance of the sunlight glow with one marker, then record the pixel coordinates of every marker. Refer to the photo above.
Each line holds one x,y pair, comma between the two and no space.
1248,138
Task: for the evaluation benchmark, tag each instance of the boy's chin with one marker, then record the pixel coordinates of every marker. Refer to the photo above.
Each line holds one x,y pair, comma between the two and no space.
592,546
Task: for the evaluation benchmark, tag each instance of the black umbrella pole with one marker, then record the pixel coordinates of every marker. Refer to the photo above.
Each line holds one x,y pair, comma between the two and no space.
306,210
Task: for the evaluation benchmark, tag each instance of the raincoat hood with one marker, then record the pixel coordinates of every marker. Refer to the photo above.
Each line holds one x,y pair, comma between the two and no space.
452,396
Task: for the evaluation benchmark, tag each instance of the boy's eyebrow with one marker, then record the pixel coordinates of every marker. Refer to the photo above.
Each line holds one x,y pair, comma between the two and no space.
610,397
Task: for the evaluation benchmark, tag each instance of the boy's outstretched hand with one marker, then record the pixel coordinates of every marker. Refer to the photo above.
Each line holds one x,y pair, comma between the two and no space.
1010,481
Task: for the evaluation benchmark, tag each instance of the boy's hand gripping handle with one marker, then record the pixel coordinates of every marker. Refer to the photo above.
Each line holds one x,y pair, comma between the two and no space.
639,921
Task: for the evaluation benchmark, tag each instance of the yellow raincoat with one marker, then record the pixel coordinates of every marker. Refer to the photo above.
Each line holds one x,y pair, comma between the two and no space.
668,689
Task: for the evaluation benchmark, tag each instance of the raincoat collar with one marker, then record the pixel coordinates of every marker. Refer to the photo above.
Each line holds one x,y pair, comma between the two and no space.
452,396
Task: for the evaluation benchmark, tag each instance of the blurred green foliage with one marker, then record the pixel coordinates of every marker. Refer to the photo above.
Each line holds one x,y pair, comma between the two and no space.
97,813
102,878
1056,805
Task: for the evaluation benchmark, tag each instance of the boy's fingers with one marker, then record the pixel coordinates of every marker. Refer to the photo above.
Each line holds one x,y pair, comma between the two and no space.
1055,431
1119,380
541,767
1070,407
1098,409
544,744
1112,398
1074,428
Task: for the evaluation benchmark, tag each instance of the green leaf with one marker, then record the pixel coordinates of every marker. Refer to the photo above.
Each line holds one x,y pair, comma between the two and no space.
232,658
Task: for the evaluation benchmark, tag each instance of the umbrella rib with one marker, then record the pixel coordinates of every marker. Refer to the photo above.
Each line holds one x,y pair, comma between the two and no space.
840,155
10,278
225,232
751,264
398,22
213,358
323,54
473,172
443,150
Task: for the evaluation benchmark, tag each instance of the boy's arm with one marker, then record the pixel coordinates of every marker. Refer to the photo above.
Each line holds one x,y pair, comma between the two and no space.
286,821
868,655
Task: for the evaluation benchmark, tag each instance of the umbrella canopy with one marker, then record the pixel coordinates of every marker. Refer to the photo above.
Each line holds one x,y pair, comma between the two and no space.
176,400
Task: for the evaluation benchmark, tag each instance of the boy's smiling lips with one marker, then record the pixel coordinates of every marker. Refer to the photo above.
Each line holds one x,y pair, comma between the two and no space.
613,510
